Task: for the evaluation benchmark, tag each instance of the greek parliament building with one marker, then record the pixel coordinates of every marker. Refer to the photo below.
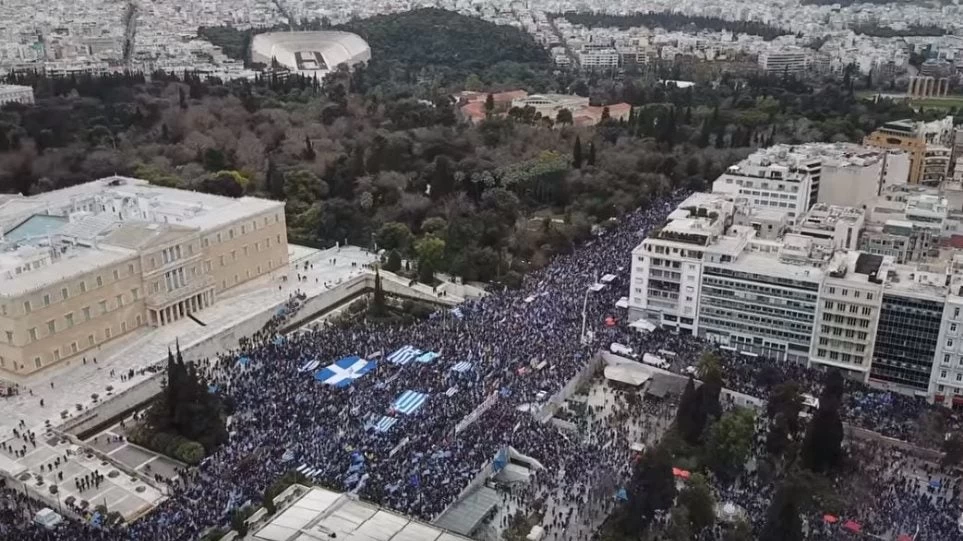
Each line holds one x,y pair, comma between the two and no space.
86,264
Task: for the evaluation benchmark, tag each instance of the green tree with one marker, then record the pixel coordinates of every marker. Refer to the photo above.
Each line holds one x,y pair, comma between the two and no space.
698,501
379,306
783,521
430,249
680,525
489,105
393,236
738,531
783,408
591,153
577,153
564,116
953,450
393,263
728,444
651,489
822,446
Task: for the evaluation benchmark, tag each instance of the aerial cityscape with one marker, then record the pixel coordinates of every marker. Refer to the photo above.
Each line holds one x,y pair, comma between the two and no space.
566,271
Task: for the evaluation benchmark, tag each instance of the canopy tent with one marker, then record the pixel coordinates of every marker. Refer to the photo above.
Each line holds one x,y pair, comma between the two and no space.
596,287
642,325
623,302
629,374
607,278
680,473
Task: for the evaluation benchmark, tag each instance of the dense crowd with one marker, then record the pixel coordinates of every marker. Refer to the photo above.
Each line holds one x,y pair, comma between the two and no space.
523,344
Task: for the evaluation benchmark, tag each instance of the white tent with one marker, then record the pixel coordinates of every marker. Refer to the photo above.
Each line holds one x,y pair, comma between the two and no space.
628,373
642,325
622,303
607,278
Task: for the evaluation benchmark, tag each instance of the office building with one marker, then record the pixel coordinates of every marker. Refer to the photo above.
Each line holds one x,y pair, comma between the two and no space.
777,178
946,379
84,265
909,325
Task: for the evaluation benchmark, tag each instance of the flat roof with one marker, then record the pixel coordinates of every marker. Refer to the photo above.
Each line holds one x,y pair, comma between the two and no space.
76,261
319,513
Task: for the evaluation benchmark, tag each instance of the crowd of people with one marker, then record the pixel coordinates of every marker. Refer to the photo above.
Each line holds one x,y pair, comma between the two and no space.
523,344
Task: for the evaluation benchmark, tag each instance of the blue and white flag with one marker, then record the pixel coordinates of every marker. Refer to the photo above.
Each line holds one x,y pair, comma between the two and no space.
385,423
452,391
457,313
309,366
343,372
244,361
427,357
404,355
409,402
462,367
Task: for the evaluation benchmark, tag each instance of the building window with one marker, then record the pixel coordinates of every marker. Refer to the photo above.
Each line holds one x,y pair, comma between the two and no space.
86,313
46,299
73,347
832,291
103,307
130,269
90,340
222,261
37,362
952,327
116,274
26,307
138,320
63,293
245,251
943,374
123,326
107,333
135,293
230,233
218,237
869,296
243,229
233,255
949,343
33,334
100,281
120,300
205,243
83,286
9,337
70,319
56,354
52,326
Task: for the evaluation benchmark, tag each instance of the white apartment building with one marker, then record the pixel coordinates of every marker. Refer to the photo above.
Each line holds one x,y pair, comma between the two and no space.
776,178
854,174
594,57
16,94
946,379
840,226
787,60
849,305
667,266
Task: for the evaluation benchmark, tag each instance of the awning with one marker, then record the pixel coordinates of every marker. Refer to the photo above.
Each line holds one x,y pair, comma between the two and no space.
630,374
642,325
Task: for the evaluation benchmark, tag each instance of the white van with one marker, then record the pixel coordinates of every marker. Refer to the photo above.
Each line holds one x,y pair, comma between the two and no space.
653,360
622,350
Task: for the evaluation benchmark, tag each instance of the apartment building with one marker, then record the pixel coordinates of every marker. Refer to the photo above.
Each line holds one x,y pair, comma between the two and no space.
840,226
84,265
906,225
777,178
927,143
784,60
667,266
946,379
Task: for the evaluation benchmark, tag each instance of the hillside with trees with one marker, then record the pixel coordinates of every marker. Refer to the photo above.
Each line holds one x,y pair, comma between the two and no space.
674,22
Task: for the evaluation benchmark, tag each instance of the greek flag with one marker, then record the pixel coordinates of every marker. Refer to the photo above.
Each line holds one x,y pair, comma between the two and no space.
409,402
385,423
404,355
427,357
462,367
457,313
309,366
343,372
452,391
